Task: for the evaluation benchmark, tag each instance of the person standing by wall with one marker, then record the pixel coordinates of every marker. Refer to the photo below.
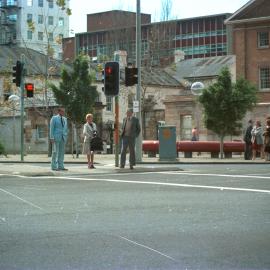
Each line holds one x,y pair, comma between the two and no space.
195,137
248,143
130,131
89,132
266,135
257,140
58,138
195,134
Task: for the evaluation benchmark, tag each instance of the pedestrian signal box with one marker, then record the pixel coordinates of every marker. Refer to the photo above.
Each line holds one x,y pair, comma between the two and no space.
29,88
111,78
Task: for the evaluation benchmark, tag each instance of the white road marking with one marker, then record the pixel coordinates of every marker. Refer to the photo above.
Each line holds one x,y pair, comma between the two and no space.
219,175
138,244
159,184
222,188
21,199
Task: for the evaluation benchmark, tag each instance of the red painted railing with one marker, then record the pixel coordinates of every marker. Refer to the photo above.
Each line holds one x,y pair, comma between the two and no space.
197,146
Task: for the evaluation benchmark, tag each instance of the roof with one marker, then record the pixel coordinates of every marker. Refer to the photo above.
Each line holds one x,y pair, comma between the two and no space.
201,67
253,10
158,76
35,62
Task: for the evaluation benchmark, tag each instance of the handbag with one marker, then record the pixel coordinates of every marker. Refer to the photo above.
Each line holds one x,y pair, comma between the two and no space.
96,144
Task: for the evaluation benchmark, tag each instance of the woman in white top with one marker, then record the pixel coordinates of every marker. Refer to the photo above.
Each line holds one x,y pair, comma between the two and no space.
89,131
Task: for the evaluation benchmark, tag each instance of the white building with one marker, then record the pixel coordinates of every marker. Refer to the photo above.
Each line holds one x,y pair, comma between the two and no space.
36,24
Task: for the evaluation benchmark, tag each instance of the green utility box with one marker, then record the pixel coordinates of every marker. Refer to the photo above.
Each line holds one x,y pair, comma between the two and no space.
167,143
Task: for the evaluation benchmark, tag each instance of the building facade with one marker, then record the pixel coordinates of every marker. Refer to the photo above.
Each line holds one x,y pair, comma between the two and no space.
36,24
251,45
189,38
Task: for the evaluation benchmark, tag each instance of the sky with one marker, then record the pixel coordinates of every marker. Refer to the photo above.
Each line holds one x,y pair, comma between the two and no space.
180,9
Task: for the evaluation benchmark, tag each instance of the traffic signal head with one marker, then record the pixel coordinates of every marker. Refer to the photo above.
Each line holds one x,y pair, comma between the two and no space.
29,88
111,78
131,76
17,73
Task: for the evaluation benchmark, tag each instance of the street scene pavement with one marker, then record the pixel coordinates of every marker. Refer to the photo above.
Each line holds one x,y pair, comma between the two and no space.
195,214
105,163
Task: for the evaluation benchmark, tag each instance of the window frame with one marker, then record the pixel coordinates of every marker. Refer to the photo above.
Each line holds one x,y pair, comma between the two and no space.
109,104
50,3
261,39
50,20
29,3
29,34
40,34
40,19
264,85
40,3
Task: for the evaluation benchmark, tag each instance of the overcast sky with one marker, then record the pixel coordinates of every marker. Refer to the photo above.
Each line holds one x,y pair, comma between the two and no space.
180,9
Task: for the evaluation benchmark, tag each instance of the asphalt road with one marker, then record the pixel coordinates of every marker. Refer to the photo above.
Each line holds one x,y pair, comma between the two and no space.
204,217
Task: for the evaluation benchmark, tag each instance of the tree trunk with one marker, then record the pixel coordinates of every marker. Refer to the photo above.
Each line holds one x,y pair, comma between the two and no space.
221,146
76,141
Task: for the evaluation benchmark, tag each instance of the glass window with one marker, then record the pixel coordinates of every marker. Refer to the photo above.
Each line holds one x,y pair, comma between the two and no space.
50,20
41,132
40,19
61,21
263,39
109,104
186,127
29,3
40,36
29,34
265,78
50,3
29,17
40,3
12,17
50,37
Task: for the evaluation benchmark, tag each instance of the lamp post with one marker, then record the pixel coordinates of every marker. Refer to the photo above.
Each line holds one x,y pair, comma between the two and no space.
14,101
196,90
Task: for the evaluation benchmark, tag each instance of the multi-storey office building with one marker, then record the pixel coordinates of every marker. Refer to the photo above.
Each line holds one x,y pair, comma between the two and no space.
36,24
115,30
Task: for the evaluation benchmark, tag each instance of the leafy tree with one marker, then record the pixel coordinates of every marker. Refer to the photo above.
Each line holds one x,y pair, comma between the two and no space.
75,92
226,103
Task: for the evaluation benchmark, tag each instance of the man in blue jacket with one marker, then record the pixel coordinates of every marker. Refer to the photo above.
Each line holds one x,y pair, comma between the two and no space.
58,137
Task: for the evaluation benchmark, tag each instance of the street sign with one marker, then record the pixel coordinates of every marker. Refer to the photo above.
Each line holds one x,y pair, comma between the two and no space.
136,106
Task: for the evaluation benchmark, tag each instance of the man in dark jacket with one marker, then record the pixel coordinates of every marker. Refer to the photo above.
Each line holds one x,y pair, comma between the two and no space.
248,143
130,131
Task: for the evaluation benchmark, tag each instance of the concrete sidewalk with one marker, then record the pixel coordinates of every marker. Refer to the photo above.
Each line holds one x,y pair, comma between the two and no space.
39,165
110,159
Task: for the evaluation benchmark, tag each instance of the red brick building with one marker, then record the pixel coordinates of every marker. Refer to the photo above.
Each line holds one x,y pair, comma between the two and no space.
251,45
115,30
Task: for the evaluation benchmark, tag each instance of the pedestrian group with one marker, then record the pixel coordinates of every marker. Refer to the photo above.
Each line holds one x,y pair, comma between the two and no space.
257,140
91,141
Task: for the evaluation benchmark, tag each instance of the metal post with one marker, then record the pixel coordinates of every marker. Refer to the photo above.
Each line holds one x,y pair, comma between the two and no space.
14,141
22,108
116,131
138,92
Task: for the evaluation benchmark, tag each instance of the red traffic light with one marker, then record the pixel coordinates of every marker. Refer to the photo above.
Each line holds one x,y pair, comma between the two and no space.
29,87
108,70
111,78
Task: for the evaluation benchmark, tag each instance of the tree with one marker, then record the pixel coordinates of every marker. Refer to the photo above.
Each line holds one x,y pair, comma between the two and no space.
76,92
226,103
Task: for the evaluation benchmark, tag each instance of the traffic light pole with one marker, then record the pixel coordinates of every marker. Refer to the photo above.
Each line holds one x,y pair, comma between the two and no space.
22,109
138,92
116,131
